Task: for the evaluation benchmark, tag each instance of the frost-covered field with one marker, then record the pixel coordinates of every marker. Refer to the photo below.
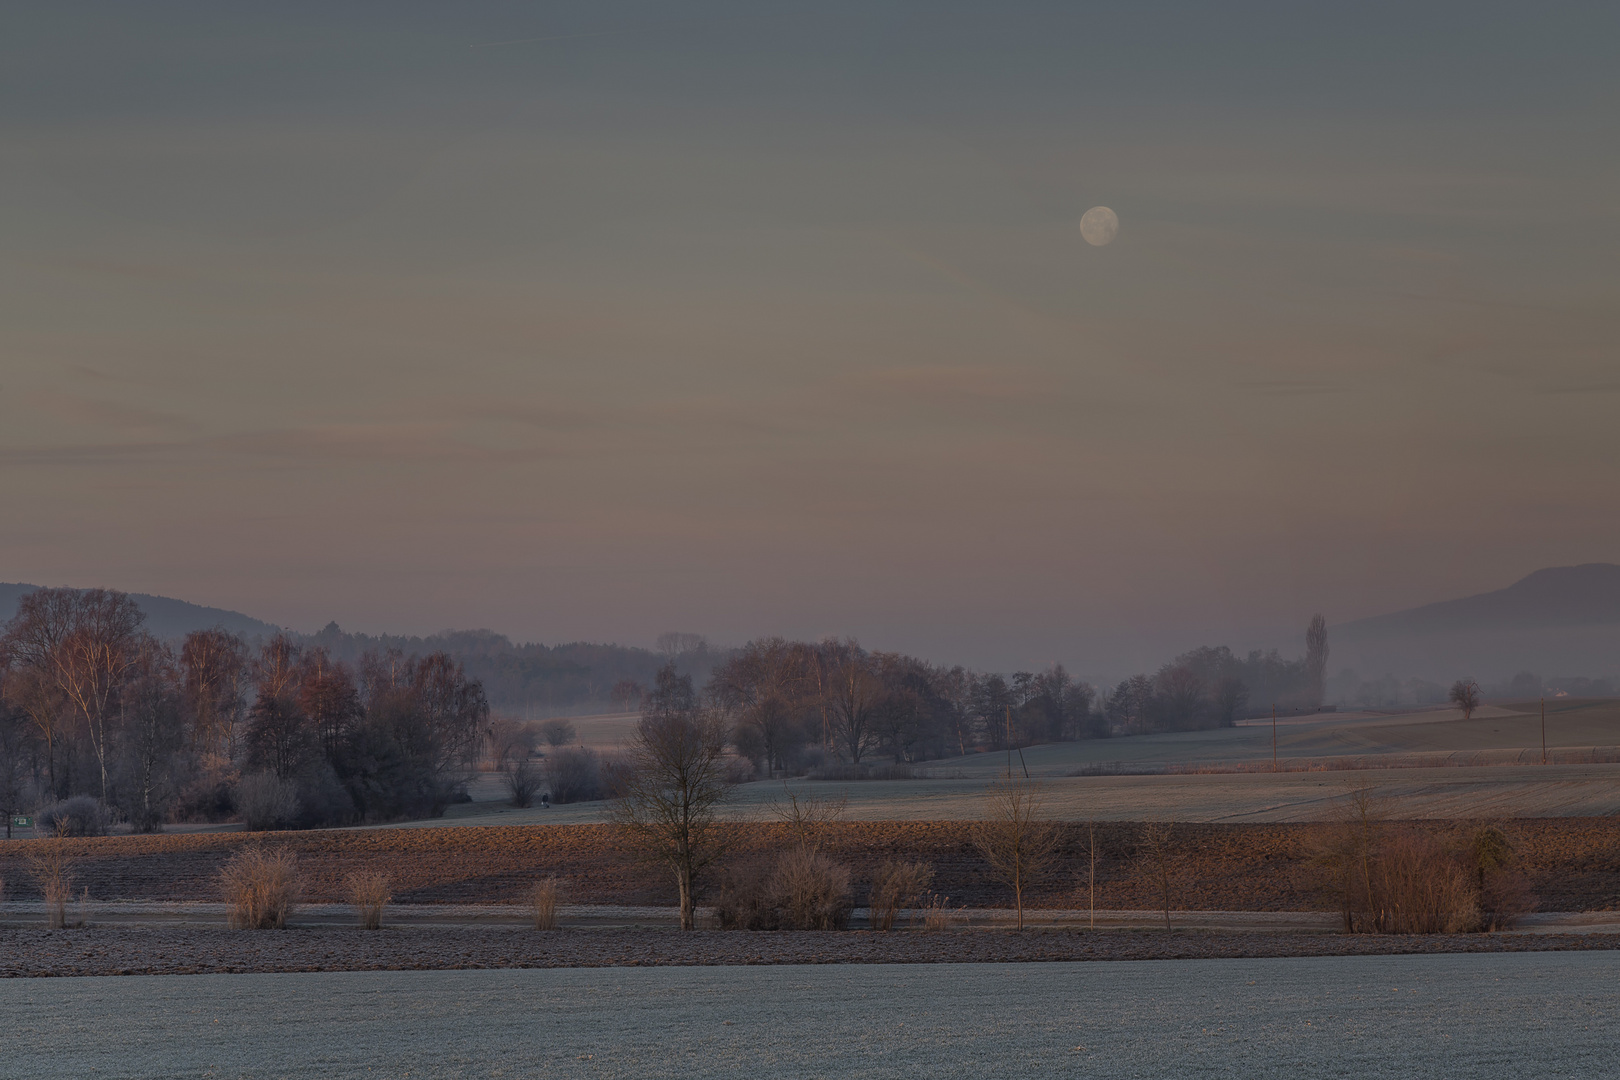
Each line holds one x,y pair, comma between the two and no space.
1496,1015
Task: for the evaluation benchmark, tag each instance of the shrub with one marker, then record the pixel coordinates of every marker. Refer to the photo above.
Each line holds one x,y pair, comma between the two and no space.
78,816
54,872
897,885
812,890
557,732
544,901
522,782
937,912
574,775
1408,880
747,901
369,893
260,888
265,801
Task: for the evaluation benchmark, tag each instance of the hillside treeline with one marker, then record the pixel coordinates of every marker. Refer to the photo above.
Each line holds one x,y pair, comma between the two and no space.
98,718
530,680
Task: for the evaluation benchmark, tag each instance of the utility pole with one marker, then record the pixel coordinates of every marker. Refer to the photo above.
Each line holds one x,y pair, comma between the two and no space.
1273,736
1009,742
1544,731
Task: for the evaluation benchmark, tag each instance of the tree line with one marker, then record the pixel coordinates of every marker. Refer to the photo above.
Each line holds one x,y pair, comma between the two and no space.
98,717
795,704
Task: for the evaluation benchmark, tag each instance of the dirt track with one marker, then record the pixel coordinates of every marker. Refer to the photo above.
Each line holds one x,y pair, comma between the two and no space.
1573,863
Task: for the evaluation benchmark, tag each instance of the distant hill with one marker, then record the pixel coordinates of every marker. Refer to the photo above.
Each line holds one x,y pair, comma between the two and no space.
527,680
1561,621
166,618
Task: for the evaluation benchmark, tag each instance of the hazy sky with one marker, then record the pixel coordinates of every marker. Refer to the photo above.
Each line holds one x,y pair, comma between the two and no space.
589,321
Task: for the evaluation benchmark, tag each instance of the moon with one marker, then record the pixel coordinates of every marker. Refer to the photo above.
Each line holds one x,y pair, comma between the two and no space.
1099,226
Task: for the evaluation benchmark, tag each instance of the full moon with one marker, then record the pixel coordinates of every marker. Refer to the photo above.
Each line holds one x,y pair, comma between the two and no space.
1099,225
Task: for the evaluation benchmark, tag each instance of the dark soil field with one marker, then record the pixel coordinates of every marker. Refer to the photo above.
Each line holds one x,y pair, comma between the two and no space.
125,951
1573,864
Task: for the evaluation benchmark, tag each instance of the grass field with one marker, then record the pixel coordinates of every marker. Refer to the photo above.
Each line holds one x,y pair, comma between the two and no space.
1420,760
1535,1014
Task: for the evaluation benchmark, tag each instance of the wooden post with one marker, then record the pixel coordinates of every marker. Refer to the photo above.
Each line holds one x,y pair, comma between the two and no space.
1273,736
1544,731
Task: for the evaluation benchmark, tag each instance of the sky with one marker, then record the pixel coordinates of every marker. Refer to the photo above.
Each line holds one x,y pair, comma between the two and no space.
591,321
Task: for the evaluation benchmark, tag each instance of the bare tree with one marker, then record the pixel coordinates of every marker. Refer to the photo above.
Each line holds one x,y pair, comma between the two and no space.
1465,695
152,735
32,691
557,732
764,684
215,663
625,693
1316,658
851,691
1013,837
675,643
1157,856
670,795
85,641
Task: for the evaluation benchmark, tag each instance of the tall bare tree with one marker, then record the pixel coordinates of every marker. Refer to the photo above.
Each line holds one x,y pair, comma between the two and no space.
1316,658
152,733
669,797
764,684
851,690
86,642
1014,838
215,666
37,696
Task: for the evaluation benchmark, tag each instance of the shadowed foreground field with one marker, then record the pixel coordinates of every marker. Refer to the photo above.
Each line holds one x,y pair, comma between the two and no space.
1544,1014
1573,864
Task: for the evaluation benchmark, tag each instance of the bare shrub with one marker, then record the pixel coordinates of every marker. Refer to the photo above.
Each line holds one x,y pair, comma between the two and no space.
812,890
746,900
522,782
545,900
54,872
1390,879
896,886
809,816
937,913
557,732
260,886
78,816
574,774
369,893
1159,861
265,801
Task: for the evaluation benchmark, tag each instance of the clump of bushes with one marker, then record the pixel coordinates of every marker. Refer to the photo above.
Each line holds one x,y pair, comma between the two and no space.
1403,879
261,888
545,901
801,890
574,774
897,885
522,782
369,892
78,816
265,801
54,872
